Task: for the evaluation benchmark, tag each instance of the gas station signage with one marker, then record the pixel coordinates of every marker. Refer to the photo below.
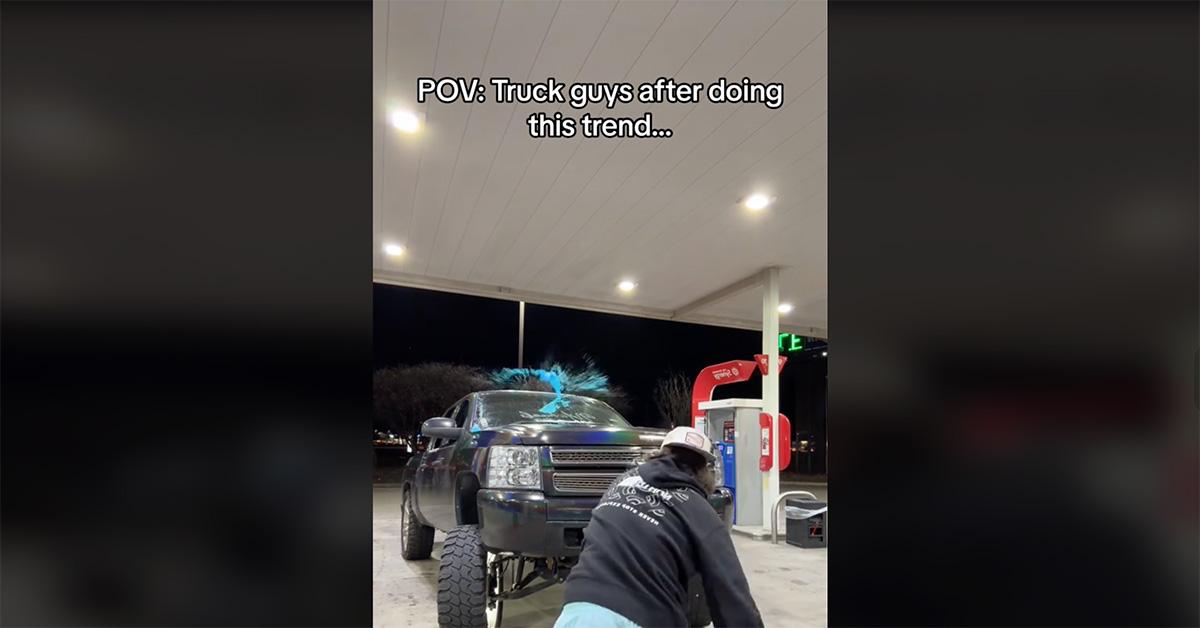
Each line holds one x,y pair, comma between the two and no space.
791,342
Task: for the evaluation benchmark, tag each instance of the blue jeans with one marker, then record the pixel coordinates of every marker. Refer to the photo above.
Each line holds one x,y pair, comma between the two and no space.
588,615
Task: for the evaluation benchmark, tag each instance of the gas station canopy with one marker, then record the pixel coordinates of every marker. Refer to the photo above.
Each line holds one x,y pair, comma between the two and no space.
466,201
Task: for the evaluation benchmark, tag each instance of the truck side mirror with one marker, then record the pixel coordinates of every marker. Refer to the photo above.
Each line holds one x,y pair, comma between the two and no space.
440,427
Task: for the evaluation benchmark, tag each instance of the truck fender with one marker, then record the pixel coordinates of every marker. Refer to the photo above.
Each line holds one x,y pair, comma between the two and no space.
466,510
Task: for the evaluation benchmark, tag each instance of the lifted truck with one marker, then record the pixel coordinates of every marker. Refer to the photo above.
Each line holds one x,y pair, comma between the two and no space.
512,477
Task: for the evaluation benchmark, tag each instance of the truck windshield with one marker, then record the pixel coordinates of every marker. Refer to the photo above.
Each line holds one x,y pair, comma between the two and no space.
533,407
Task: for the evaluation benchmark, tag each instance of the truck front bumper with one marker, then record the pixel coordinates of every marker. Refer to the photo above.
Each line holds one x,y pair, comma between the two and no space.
530,523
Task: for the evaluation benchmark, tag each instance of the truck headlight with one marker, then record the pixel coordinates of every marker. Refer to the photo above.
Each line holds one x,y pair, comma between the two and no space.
512,466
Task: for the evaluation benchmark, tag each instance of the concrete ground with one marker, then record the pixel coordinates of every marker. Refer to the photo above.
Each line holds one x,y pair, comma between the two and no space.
788,583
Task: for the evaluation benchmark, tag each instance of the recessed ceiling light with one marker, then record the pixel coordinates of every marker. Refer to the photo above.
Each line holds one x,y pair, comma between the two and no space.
756,202
785,308
394,250
405,120
627,285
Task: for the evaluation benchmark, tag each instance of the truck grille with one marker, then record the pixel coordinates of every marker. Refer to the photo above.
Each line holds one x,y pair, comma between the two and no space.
612,456
589,483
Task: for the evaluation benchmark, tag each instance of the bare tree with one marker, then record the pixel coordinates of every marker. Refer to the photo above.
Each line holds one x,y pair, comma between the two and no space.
405,396
673,398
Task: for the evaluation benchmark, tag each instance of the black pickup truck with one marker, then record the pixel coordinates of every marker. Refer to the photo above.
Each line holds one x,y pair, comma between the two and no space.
512,477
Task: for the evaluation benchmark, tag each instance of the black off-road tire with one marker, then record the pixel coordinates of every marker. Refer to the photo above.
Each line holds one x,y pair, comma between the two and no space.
416,540
462,580
697,609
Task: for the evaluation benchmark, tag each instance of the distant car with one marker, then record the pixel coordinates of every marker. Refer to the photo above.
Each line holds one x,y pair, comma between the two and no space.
512,477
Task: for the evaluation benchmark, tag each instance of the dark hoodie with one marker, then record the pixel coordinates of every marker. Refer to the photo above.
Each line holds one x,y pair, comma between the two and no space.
652,531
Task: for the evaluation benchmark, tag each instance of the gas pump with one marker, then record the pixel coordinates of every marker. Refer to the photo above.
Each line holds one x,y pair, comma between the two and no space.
733,425
742,433
725,449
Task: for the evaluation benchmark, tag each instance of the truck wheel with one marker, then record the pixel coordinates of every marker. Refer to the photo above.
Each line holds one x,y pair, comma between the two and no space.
697,609
416,540
463,582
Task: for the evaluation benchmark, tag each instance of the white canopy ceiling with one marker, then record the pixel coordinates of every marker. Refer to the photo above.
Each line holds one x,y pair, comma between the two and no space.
483,208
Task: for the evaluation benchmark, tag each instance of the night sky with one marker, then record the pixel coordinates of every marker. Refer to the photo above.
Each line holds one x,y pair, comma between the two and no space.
412,326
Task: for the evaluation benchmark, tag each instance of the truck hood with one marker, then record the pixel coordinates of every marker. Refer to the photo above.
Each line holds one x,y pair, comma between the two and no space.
558,434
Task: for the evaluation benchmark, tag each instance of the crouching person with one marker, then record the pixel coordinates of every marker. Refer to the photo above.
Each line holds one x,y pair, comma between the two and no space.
653,531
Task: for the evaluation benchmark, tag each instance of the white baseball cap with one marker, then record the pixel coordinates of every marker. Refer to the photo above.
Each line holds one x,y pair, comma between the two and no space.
690,438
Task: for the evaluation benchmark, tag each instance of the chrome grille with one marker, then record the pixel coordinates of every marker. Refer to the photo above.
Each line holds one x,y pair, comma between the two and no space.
610,456
590,483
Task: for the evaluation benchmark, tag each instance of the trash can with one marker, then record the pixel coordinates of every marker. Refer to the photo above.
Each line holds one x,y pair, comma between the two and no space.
805,522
